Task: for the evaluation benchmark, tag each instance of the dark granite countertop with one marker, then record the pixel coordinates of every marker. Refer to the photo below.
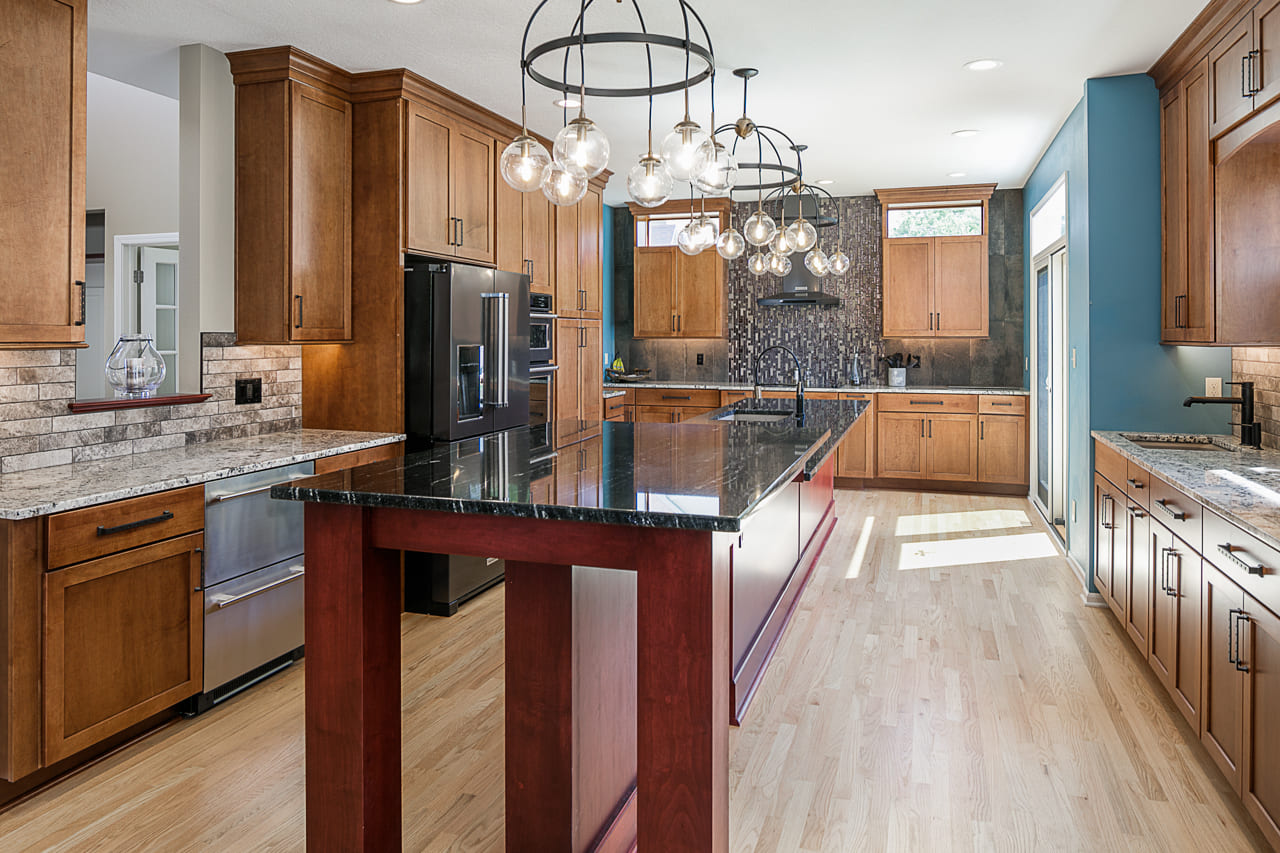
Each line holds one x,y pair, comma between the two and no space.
850,389
835,417
1240,484
694,476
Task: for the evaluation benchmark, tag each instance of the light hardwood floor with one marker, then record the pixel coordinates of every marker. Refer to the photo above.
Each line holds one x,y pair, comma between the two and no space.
942,687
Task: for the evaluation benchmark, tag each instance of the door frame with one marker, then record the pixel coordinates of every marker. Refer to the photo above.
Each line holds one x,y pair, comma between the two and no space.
1060,402
126,259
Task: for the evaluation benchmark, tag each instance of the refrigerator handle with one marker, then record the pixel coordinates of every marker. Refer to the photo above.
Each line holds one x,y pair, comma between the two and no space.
497,318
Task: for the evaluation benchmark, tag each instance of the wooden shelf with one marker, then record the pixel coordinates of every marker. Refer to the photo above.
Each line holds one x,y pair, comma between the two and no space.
107,404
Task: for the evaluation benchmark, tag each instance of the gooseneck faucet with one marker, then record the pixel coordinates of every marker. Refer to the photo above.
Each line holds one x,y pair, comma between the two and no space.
799,377
1250,430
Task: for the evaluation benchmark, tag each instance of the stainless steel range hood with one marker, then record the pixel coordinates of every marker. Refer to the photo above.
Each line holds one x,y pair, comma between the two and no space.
802,287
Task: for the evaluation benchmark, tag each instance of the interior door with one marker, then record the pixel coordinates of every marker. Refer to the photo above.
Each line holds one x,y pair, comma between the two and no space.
158,308
1049,383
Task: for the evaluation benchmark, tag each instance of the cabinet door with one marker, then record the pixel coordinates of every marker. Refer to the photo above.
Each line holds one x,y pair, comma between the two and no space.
1138,589
908,287
952,448
700,287
539,239
567,403
1260,785
1175,621
568,293
1266,37
1223,697
509,223
320,214
656,415
1002,449
900,446
1119,556
1173,181
1197,315
591,372
122,641
42,168
1104,511
471,190
856,456
654,291
960,300
428,218
1230,98
590,251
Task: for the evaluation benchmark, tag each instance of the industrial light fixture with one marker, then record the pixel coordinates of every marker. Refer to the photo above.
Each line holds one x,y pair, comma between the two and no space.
803,236
983,65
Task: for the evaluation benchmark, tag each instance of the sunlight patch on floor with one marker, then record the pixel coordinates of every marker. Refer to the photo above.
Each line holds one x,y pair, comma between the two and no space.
860,550
967,552
961,522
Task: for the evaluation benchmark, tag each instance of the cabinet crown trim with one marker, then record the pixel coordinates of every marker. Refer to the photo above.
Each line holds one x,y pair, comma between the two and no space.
1196,40
925,195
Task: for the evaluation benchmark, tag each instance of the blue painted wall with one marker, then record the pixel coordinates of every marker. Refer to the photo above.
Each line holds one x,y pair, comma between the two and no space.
606,254
1109,148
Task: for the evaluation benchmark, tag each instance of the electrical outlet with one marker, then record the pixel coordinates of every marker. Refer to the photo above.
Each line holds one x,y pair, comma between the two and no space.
248,391
1213,386
700,359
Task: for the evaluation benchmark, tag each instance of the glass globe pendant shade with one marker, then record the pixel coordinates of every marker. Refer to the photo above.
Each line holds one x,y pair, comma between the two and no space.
839,262
721,172
817,263
582,144
134,368
685,240
683,150
730,244
758,264
781,243
564,185
649,182
802,235
523,162
697,236
779,265
759,228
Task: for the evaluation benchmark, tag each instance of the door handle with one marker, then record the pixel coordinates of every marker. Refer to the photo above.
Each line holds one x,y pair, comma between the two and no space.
930,427
679,322
80,322
295,572
297,301
931,321
452,231
497,320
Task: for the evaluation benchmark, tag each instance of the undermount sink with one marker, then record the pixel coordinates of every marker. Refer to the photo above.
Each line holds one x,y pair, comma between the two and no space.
1174,443
756,417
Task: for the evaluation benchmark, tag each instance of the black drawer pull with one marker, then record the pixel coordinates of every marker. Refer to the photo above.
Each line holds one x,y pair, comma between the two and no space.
1134,483
1001,404
667,397
1136,512
925,402
133,525
1229,550
1175,514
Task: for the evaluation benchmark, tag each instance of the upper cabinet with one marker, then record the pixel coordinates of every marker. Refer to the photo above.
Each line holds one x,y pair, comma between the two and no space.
449,186
579,250
935,272
525,235
42,168
676,295
1244,68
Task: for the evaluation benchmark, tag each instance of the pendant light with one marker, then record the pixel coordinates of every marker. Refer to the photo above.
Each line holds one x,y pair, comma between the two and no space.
649,182
582,144
839,262
802,235
758,264
564,185
779,265
817,263
525,159
730,244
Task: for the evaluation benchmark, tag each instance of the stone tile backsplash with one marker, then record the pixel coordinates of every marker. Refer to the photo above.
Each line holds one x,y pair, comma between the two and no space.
1261,366
826,339
37,430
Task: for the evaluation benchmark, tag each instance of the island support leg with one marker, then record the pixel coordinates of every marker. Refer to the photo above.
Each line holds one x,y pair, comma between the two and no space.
353,685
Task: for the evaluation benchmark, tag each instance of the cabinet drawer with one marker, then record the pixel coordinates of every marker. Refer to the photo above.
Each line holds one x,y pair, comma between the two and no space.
1012,404
614,407
1137,483
83,534
1176,511
728,398
677,397
1110,464
1252,564
848,395
924,403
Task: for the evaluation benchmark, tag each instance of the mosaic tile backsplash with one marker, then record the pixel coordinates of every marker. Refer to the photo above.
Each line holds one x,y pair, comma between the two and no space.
827,339
38,431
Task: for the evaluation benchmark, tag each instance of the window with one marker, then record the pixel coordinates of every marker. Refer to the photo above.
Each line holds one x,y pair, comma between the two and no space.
934,221
661,230
1049,219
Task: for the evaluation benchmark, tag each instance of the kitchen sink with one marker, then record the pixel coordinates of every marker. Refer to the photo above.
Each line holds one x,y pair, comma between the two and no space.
1155,443
757,417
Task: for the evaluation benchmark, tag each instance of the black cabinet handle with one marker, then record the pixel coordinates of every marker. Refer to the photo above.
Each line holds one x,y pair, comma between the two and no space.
297,301
1244,72
1106,499
1229,551
1175,513
931,321
1001,404
1253,56
80,284
926,402
461,232
930,427
679,322
922,427
133,525
1134,483
939,320
1135,511
1235,619
982,430
670,397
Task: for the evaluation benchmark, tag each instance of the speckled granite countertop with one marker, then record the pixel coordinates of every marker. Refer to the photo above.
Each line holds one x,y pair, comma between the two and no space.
835,417
852,389
610,394
1242,486
42,491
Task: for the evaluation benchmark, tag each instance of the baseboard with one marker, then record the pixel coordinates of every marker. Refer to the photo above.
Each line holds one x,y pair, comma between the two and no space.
858,483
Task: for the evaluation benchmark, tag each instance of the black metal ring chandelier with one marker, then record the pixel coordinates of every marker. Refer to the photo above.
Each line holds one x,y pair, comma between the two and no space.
743,129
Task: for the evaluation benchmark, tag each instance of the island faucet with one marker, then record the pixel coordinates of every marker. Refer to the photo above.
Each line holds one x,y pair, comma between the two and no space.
1250,430
799,377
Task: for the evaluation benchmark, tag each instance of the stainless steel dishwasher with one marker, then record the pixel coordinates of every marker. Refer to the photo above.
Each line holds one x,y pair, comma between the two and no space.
253,582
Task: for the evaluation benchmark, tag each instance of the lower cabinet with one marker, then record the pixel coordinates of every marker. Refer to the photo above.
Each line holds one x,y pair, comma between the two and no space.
900,446
580,377
1175,620
1108,543
856,456
1002,449
952,447
1136,558
122,641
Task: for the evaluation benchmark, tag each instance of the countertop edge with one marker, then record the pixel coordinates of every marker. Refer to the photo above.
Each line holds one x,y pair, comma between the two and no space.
992,390
1121,445
183,480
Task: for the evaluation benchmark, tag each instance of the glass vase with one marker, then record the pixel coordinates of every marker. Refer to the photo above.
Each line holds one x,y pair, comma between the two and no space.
134,368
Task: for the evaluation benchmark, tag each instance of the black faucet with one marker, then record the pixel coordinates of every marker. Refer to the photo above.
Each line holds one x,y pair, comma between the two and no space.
1250,430
799,377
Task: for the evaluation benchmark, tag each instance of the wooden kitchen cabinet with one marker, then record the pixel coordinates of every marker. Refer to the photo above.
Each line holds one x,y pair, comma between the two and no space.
579,272
936,287
1175,621
449,186
1223,709
122,642
856,455
952,447
1136,556
909,279
1260,776
900,446
43,60
1108,539
293,208
678,296
1002,449
525,238
1230,79
579,381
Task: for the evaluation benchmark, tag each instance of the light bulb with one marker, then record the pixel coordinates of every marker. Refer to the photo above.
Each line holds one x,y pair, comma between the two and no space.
781,244
649,182
758,264
779,265
697,235
731,245
839,262
523,162
721,172
802,235
759,228
583,144
683,150
817,263
564,185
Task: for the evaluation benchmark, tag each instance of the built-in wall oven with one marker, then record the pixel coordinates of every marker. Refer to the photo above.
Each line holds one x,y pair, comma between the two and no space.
541,396
542,329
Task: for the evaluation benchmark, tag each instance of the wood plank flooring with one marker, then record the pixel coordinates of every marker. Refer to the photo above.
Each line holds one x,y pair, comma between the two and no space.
942,687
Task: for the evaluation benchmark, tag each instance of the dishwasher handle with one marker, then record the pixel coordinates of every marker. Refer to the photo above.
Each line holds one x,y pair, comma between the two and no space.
217,499
222,601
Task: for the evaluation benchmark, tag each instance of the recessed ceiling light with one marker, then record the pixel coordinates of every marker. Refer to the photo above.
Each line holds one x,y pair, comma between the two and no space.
957,174
566,103
406,2
983,65
965,134
825,182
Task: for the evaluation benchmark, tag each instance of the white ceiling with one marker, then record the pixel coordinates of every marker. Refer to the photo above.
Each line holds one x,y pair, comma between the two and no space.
874,87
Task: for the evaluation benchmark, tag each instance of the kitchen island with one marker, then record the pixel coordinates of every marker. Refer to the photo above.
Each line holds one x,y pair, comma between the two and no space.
621,552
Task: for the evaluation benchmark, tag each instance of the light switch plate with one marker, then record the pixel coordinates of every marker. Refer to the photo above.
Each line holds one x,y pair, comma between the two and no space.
1213,386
